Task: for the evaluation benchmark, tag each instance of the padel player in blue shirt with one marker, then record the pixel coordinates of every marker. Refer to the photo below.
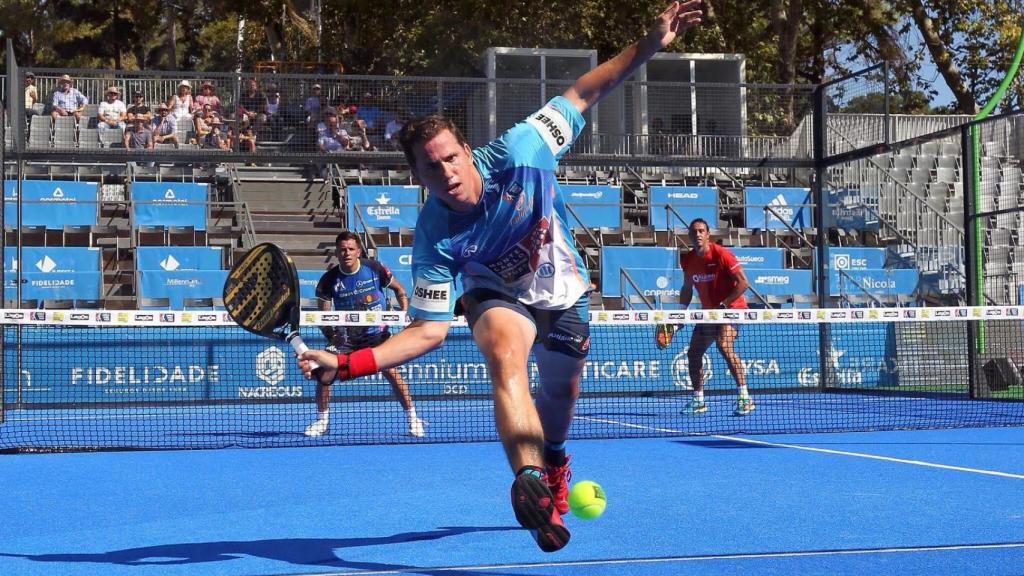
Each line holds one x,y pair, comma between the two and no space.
496,217
358,283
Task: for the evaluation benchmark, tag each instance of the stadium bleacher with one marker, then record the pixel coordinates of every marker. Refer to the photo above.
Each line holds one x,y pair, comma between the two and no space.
909,201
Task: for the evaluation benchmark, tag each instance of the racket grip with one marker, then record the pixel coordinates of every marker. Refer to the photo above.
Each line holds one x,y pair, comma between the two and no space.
299,346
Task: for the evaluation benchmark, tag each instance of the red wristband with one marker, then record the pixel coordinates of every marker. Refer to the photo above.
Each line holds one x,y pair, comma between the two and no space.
356,364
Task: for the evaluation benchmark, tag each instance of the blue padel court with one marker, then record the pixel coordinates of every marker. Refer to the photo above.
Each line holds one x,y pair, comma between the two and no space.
897,502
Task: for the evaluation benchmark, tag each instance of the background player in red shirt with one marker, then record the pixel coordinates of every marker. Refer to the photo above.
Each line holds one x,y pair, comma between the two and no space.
720,282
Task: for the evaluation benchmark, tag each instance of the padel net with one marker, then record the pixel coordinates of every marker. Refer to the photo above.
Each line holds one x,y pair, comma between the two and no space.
93,380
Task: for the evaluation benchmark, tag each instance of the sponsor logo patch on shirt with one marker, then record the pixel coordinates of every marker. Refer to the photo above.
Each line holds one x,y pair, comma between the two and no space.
553,128
431,297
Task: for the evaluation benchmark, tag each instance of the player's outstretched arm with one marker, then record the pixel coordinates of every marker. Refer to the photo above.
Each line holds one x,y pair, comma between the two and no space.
418,338
595,84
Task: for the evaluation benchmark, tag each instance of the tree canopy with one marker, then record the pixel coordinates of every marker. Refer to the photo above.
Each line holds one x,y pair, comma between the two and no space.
933,45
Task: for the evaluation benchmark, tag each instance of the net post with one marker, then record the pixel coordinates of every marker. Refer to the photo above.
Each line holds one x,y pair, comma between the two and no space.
821,265
973,295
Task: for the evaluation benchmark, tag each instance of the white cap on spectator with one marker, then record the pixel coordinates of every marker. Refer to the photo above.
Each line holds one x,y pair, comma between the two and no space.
113,90
185,84
315,86
65,78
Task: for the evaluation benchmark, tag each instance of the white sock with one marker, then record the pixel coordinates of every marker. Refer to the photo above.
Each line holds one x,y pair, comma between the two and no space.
698,395
411,413
743,392
323,416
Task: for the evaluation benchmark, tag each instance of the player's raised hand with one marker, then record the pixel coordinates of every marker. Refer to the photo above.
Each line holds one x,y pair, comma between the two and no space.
678,17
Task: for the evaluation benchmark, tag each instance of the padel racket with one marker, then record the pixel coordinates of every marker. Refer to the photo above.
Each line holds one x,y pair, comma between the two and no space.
261,294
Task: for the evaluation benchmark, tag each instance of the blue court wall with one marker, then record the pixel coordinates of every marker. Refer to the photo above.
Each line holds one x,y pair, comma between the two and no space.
202,363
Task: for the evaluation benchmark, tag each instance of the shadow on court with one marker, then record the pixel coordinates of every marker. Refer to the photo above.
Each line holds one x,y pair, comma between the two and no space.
300,551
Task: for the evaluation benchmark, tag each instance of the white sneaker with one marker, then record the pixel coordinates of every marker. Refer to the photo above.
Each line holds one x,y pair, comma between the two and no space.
416,427
317,428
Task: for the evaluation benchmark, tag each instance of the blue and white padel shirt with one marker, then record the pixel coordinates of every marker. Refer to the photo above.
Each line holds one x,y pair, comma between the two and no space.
362,289
517,239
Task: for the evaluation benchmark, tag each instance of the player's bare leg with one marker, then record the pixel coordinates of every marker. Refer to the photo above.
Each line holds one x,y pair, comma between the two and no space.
401,392
726,340
556,403
700,341
505,337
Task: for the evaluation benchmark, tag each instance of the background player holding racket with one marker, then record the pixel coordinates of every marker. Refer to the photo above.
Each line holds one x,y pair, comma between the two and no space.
358,283
496,217
720,282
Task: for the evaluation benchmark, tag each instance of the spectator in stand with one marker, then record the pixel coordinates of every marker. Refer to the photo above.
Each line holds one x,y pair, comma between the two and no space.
138,136
330,136
182,103
201,121
274,109
68,101
31,95
251,105
215,140
347,115
391,132
207,97
313,105
139,108
246,140
358,139
112,112
164,126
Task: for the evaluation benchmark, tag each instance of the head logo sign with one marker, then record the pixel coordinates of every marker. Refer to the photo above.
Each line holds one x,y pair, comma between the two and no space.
681,370
270,365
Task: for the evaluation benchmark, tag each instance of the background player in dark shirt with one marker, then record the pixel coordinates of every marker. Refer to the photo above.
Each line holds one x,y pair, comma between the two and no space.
358,283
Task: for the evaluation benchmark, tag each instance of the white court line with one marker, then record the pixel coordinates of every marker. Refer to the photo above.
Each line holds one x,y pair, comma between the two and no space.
666,559
820,450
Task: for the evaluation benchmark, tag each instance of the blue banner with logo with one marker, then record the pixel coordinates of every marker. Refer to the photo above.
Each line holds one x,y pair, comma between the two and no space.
594,205
792,204
854,209
395,257
308,279
225,363
850,258
688,203
399,261
51,203
656,284
179,284
759,257
170,204
52,259
53,273
171,258
779,282
391,207
54,285
879,282
614,258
